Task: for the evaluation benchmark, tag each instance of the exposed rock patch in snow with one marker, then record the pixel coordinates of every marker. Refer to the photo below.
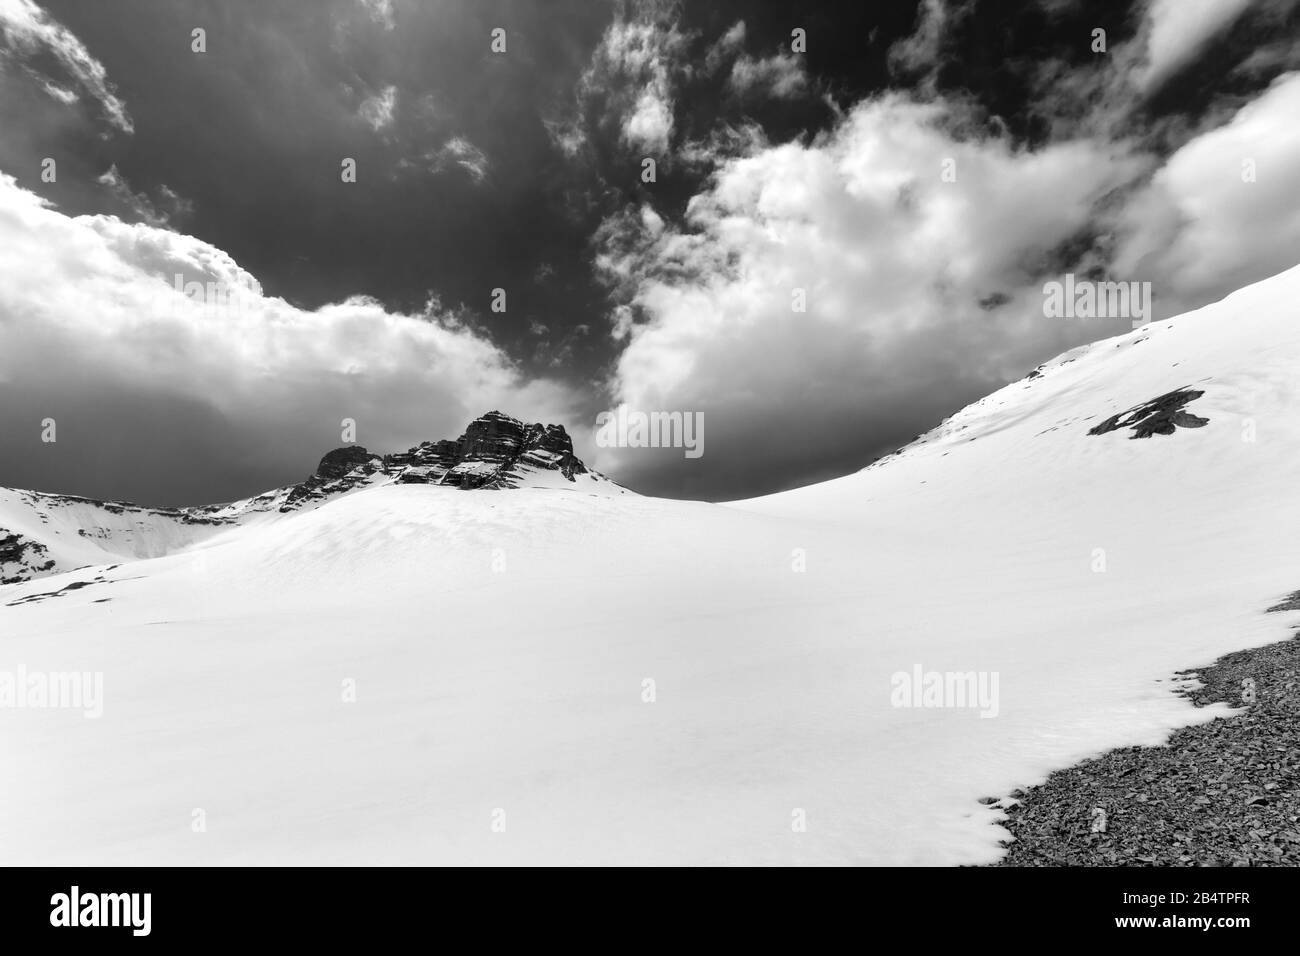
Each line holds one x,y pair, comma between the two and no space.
1160,416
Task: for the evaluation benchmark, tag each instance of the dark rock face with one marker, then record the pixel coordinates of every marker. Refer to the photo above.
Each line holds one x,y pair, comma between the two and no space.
549,446
492,437
340,470
431,454
20,558
491,454
340,461
495,446
1160,416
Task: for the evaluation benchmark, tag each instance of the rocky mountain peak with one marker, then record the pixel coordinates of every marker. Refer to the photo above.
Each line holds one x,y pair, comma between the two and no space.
50,533
495,451
340,461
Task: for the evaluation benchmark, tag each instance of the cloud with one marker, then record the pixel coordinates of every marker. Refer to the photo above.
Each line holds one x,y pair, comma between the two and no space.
650,125
723,142
460,152
567,134
65,96
1199,228
630,83
780,75
922,294
1176,30
169,205
1111,97
220,391
642,56
456,151
1276,47
921,53
31,35
378,110
727,45
902,274
381,12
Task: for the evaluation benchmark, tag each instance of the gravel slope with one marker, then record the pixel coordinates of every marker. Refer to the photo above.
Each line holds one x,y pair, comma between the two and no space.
1223,793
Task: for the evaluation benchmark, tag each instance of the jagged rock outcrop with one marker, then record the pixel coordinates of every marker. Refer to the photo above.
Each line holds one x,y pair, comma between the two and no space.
496,451
20,558
55,533
492,437
495,447
340,461
492,452
1160,416
340,470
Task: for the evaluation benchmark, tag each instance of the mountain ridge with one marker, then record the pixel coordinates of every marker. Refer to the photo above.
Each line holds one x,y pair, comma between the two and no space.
495,452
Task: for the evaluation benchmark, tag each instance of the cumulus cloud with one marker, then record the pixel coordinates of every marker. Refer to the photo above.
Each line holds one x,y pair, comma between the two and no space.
170,372
898,268
921,294
33,37
649,124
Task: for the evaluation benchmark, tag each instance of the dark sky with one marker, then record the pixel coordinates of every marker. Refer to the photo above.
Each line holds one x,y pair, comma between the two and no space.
480,170
251,134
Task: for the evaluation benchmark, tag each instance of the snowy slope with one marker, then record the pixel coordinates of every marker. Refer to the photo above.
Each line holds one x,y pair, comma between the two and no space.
44,534
500,643
51,533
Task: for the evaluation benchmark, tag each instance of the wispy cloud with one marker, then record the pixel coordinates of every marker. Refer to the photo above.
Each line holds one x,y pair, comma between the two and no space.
1110,98
31,34
381,11
922,53
463,153
727,45
630,83
161,212
378,110
1176,31
782,75
456,151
